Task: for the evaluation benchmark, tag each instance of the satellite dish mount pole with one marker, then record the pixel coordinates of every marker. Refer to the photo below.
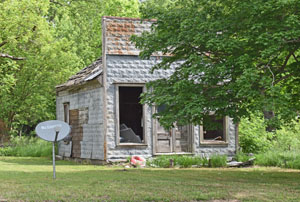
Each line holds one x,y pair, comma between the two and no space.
53,151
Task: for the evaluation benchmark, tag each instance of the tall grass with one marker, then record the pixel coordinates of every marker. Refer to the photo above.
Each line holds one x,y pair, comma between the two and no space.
27,147
216,161
185,161
242,157
282,159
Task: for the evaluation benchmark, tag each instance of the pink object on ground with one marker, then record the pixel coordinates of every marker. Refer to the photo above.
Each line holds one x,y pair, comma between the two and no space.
138,161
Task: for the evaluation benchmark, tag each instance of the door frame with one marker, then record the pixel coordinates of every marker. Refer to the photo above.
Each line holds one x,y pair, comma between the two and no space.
173,138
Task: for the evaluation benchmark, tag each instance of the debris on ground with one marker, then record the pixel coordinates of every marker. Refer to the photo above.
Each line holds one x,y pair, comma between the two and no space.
138,161
241,164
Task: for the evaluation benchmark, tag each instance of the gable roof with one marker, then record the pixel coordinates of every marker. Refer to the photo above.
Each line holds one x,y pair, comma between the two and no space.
86,74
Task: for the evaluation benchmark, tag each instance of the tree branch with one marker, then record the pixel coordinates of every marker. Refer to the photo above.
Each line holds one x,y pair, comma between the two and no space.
282,78
3,55
293,41
56,2
3,43
286,61
295,57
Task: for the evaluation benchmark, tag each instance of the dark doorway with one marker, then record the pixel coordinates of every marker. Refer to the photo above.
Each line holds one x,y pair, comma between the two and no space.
131,114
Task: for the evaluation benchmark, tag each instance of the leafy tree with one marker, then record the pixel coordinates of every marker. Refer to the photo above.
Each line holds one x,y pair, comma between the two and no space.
236,57
79,21
41,44
32,62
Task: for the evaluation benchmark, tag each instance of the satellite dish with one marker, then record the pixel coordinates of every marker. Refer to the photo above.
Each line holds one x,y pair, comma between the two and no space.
47,130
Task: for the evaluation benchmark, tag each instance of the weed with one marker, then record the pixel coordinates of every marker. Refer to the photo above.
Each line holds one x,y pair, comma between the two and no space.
216,161
26,146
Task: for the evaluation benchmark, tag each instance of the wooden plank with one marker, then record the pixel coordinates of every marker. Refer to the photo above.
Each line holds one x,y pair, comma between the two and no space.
164,145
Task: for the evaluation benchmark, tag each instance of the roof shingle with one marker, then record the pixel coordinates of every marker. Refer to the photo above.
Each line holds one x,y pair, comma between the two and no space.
86,74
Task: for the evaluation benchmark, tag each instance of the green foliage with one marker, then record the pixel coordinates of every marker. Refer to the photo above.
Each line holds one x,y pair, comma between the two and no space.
183,161
217,161
253,137
80,22
160,161
27,147
38,62
242,157
279,159
188,161
280,148
236,57
42,43
268,159
288,138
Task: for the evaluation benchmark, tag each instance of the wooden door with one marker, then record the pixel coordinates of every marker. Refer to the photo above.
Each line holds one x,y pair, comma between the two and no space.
182,139
176,140
76,133
163,139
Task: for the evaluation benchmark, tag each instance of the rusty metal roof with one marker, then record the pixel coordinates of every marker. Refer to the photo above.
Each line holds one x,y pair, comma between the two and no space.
86,74
117,32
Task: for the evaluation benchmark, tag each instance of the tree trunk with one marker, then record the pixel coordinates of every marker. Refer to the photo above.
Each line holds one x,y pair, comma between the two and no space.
268,115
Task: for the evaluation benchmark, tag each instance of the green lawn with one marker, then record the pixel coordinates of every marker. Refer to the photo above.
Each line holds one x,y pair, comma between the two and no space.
30,179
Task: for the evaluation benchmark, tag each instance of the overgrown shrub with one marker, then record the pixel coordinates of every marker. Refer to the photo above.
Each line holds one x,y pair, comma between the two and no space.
288,138
253,137
27,146
216,161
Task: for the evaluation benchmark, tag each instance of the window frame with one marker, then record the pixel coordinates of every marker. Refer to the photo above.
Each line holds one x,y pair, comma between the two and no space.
117,115
66,105
216,142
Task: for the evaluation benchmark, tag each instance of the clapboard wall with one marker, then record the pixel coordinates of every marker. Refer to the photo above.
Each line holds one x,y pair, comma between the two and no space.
86,120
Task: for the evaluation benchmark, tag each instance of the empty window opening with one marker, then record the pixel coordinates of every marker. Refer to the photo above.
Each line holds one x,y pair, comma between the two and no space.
213,128
131,115
66,112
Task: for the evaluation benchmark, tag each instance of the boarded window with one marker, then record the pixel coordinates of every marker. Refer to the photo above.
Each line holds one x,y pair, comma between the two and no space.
131,126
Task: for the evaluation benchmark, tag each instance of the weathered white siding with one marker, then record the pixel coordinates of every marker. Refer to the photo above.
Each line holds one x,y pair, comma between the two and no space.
130,70
89,101
225,149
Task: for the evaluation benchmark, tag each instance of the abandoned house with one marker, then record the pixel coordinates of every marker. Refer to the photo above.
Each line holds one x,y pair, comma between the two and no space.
102,105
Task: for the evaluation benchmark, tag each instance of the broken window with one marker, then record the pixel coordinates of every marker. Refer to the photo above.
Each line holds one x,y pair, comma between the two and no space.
131,123
214,129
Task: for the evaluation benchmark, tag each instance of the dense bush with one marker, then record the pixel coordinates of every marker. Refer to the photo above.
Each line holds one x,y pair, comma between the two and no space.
288,138
253,137
26,146
280,148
